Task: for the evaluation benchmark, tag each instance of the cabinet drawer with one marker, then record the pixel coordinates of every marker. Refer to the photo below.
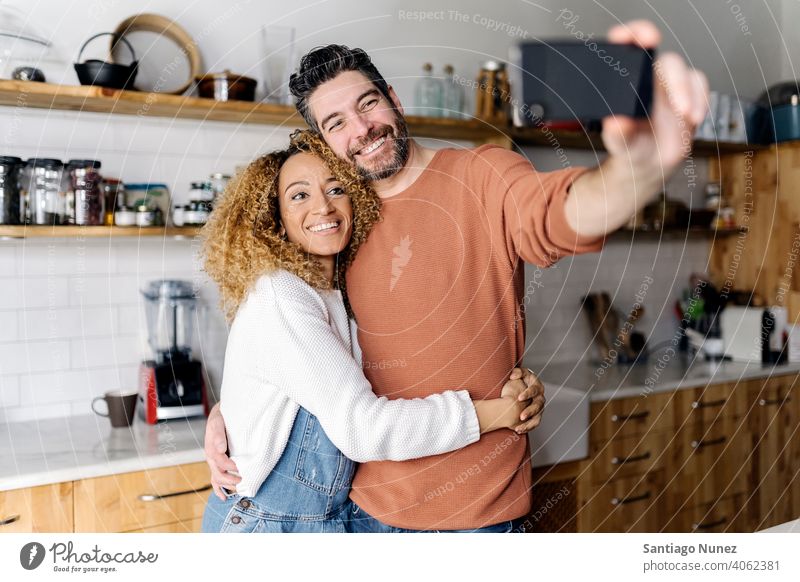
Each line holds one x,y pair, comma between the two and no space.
726,515
705,405
135,501
624,457
624,505
44,509
772,401
709,463
627,417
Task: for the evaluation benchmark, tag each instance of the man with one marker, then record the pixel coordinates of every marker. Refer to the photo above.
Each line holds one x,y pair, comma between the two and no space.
437,287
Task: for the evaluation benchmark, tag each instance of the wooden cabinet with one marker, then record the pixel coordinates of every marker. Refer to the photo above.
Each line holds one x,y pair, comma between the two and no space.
45,509
632,504
171,499
626,417
776,439
724,457
172,496
709,462
729,514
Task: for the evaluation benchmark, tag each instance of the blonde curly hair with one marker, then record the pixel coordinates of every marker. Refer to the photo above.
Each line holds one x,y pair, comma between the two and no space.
242,239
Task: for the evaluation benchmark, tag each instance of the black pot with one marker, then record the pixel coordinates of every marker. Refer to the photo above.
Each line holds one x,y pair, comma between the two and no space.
103,74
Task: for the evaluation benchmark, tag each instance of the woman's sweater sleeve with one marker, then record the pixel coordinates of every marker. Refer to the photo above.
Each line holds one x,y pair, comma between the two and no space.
316,370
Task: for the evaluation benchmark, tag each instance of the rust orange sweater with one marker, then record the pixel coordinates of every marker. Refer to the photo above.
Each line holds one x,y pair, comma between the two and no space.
436,291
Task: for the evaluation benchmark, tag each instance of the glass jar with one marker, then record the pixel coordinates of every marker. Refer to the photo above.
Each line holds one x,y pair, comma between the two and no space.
218,184
124,216
44,197
156,195
202,191
145,212
428,93
113,198
86,195
10,199
177,215
196,213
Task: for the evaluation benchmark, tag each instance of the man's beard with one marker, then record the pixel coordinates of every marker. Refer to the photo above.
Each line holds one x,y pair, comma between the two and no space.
399,135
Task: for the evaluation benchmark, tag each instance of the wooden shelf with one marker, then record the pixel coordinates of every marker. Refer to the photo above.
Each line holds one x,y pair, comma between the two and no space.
533,137
38,231
100,100
629,233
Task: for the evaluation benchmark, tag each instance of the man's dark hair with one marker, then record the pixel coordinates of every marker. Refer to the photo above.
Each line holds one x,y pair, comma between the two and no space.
325,63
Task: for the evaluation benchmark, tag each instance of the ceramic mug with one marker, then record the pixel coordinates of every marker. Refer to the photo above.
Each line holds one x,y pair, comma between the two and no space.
121,405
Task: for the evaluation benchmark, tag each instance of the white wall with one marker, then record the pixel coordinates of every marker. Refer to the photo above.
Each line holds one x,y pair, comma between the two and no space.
70,325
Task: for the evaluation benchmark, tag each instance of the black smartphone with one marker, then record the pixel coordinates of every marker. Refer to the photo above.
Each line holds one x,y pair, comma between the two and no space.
580,81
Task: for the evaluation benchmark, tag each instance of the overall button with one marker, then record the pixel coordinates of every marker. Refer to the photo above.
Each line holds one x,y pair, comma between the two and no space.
244,503
236,520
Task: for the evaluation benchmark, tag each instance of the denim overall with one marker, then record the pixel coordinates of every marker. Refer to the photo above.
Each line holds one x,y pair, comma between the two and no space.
305,492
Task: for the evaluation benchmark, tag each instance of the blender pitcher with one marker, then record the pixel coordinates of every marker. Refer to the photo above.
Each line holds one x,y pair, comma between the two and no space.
169,307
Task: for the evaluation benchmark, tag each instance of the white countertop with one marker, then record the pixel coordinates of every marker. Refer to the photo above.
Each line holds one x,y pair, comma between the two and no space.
78,447
621,380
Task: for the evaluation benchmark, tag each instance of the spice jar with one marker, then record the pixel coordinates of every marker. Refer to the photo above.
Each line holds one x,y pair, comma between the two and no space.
86,195
145,212
202,191
492,96
218,183
113,198
196,213
44,198
125,216
10,200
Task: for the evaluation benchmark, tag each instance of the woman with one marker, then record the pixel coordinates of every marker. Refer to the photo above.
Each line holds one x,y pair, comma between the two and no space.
277,246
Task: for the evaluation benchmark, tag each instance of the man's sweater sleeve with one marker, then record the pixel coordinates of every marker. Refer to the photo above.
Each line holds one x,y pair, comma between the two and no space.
318,372
530,206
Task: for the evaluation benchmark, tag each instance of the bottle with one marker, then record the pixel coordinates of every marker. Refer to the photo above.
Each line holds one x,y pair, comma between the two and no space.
453,94
428,93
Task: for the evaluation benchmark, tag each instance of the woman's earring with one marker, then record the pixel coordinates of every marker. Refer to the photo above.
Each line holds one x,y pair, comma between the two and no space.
282,233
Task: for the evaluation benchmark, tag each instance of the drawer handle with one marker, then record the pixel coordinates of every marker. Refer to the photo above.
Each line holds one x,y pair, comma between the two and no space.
713,403
771,401
631,416
9,520
712,442
624,500
153,497
633,459
710,525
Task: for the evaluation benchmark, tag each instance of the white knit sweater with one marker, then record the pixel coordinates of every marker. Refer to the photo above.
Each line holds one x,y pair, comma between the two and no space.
291,345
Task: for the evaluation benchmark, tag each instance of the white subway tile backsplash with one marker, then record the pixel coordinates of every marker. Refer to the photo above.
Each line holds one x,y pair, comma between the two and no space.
158,256
57,257
67,322
31,357
109,289
130,319
76,385
117,350
35,292
9,391
8,326
8,258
